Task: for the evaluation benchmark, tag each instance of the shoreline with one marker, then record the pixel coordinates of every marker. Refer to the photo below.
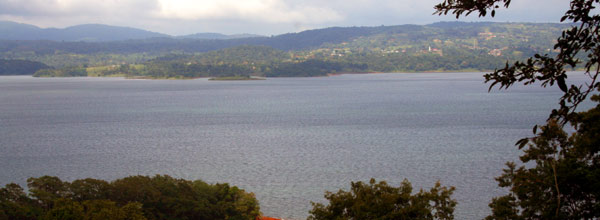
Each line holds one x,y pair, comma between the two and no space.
252,78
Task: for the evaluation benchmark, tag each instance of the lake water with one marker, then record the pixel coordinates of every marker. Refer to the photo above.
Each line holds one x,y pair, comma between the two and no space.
287,139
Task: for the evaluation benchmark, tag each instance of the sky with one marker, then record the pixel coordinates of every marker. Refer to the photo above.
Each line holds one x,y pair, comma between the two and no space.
265,17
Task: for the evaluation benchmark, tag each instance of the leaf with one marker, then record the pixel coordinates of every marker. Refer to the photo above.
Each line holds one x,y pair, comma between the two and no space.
535,129
560,80
521,143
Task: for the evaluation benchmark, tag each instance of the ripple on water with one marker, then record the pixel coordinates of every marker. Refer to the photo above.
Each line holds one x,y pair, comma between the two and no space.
288,140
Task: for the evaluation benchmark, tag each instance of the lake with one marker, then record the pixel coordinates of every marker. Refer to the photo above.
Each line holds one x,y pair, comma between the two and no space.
286,139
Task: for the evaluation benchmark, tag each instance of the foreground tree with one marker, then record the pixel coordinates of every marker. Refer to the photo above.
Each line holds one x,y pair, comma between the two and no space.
381,201
15,204
565,180
130,198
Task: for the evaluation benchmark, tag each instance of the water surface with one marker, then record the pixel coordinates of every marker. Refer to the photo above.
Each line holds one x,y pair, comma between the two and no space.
287,139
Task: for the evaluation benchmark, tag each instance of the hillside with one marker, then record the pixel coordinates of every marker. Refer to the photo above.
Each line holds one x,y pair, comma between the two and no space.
445,46
20,67
218,36
95,33
500,34
86,32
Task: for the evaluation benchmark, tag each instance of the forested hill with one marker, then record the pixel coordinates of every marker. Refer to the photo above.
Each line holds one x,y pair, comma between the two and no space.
20,67
311,39
445,46
217,36
87,32
94,33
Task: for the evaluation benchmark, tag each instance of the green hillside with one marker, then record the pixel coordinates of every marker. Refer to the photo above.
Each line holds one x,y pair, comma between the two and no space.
445,46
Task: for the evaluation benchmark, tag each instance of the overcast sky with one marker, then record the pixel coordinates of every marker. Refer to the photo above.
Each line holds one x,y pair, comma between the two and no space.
266,17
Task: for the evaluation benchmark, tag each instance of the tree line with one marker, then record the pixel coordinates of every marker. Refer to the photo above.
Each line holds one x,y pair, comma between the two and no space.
20,67
269,62
129,198
164,197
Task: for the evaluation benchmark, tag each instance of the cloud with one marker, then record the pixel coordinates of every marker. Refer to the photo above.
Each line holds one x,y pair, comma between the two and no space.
270,11
61,8
253,16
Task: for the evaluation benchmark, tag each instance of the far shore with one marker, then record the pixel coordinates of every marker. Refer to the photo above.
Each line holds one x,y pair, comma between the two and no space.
236,78
244,78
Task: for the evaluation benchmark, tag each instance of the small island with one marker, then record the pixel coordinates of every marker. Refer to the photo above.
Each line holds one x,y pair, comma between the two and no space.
235,78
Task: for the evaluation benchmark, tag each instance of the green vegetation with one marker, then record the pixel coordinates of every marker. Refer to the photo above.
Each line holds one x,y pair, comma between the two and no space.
562,175
381,201
20,67
64,72
230,78
560,181
134,197
445,46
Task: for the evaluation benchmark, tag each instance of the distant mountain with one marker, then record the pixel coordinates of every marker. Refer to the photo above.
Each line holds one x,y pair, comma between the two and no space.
17,31
513,40
99,32
96,33
217,36
454,46
87,32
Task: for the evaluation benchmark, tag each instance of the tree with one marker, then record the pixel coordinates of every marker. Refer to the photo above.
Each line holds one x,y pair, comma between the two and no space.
65,209
14,203
105,209
89,189
129,198
381,201
47,189
20,67
565,180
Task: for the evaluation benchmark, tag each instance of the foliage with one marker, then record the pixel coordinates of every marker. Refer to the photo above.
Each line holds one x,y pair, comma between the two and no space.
63,72
20,67
445,46
563,182
381,201
266,61
15,204
467,7
241,61
131,198
235,78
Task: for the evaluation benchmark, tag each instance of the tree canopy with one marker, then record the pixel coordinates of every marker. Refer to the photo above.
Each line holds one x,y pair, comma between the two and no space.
564,179
382,201
20,67
129,198
442,46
